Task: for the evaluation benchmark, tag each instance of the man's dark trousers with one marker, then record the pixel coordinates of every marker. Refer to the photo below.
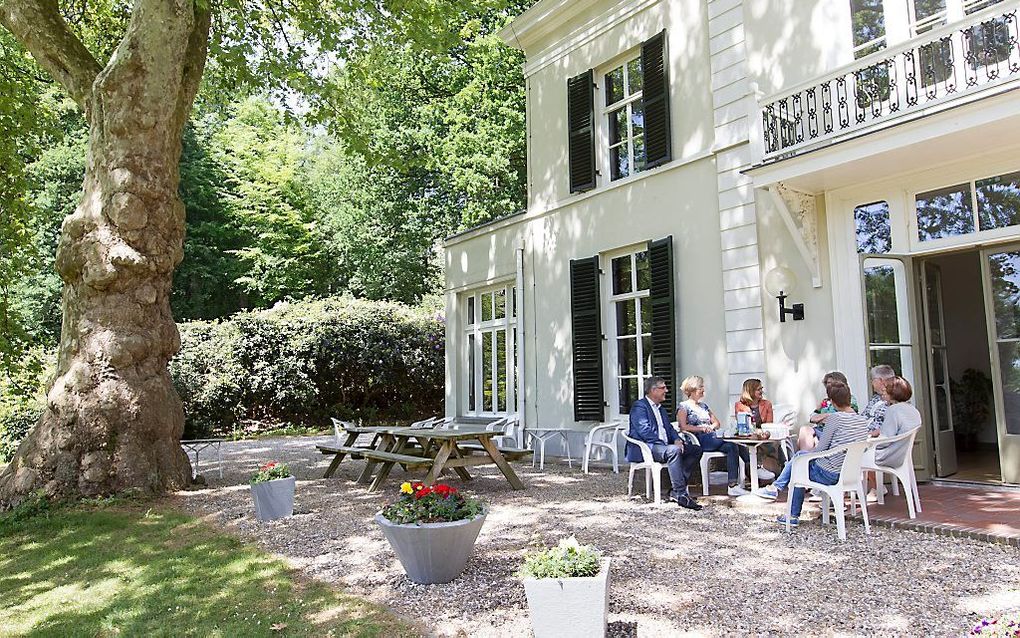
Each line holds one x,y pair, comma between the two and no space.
679,464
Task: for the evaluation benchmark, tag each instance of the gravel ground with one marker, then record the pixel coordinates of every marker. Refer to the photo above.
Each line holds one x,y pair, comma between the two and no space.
725,570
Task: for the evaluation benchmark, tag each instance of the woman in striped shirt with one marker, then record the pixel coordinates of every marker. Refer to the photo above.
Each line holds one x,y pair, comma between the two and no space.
841,427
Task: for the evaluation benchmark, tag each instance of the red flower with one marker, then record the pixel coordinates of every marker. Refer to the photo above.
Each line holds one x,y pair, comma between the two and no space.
421,491
269,466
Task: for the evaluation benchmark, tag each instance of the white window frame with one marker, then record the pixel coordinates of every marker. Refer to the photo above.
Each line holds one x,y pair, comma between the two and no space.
612,358
901,23
509,324
604,155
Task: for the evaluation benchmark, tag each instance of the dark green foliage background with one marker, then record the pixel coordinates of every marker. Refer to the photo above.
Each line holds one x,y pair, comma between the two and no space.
300,363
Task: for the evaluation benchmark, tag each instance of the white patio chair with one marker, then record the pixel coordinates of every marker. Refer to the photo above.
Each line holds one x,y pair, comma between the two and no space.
538,442
603,439
424,423
444,423
849,482
339,427
786,414
904,472
653,470
510,425
705,458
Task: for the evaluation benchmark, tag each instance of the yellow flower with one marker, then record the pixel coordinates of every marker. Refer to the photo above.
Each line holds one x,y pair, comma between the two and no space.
405,488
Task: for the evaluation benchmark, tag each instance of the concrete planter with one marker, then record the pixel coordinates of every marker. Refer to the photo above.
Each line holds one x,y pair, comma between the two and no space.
432,553
565,607
274,499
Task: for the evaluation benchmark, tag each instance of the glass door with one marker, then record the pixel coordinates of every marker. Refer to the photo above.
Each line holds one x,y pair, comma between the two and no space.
937,360
1001,272
888,285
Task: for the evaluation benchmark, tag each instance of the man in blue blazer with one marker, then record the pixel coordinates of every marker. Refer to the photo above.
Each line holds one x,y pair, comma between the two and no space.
649,422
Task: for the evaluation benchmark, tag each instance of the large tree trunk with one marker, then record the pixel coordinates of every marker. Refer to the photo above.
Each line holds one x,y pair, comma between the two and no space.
113,420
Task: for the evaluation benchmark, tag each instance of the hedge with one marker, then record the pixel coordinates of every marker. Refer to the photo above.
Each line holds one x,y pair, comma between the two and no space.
296,364
302,362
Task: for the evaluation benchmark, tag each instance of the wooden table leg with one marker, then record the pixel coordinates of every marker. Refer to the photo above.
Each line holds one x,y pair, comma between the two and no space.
339,456
384,471
385,442
439,461
497,458
461,471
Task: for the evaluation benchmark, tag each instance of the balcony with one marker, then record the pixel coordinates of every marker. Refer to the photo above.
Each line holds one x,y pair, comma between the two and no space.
949,65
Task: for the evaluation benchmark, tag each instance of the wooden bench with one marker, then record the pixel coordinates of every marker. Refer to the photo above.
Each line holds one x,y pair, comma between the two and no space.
510,453
358,452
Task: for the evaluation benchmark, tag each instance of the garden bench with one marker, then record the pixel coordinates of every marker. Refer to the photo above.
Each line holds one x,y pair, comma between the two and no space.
510,453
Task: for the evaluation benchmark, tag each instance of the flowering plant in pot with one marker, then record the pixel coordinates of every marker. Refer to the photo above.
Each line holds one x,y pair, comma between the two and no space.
432,529
272,489
568,590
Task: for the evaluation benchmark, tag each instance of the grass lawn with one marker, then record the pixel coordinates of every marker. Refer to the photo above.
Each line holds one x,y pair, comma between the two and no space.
125,569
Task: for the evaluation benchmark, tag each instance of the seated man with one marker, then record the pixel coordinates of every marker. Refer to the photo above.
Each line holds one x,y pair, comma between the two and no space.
841,427
649,422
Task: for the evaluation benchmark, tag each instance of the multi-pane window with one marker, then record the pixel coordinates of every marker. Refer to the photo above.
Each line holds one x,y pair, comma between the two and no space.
631,318
984,204
625,119
873,229
868,24
490,323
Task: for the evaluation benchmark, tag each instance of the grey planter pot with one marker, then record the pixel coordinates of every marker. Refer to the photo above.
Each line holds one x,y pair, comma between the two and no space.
274,499
433,553
569,607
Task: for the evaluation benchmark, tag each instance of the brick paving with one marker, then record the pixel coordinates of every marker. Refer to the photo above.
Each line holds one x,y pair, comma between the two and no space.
983,513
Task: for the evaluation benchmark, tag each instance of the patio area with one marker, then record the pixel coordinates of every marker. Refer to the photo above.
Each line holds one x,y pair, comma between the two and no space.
724,570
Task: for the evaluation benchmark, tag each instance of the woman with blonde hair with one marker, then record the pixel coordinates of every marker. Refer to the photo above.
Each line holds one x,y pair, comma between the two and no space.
694,416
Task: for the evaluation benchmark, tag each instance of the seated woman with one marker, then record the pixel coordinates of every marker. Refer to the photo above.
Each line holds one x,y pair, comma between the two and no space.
694,416
753,401
843,426
900,417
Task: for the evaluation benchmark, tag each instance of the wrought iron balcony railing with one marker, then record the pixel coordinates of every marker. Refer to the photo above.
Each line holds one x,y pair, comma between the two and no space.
941,65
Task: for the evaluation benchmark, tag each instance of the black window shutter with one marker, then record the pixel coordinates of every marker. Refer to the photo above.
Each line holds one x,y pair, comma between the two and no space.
586,330
658,140
663,300
581,128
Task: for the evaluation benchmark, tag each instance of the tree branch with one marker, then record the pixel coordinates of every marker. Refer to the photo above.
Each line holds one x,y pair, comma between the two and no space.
42,30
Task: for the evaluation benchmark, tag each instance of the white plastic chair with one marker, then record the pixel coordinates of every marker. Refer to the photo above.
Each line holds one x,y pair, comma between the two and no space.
786,414
653,470
705,458
339,427
509,425
603,439
849,482
424,423
904,471
444,423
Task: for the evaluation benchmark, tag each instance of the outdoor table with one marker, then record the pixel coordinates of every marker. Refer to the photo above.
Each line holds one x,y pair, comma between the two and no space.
544,434
348,447
752,451
440,449
197,445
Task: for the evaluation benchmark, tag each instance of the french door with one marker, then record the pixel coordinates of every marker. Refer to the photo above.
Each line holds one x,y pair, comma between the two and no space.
1001,275
937,363
890,302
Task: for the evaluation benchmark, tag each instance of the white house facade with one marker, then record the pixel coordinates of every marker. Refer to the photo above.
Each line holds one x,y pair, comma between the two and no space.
690,159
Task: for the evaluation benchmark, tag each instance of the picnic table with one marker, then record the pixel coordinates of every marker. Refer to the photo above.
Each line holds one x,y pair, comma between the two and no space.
435,449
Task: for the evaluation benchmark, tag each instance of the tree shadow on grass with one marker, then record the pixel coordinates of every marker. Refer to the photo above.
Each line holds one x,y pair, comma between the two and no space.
143,572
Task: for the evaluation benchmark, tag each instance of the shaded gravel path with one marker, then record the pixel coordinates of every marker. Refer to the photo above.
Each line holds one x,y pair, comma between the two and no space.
725,570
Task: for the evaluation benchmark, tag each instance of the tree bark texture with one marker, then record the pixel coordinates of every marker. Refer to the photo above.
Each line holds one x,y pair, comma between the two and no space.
113,420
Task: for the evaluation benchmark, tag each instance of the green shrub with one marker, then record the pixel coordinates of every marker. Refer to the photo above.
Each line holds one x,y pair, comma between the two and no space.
23,397
566,560
302,362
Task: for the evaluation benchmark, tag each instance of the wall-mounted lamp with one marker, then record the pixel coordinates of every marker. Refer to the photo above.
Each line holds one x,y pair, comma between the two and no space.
778,282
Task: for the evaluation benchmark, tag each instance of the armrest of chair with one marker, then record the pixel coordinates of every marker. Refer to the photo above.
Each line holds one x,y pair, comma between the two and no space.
799,470
646,452
612,425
